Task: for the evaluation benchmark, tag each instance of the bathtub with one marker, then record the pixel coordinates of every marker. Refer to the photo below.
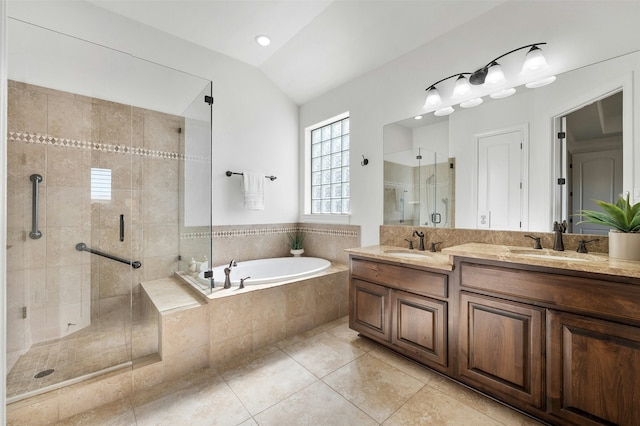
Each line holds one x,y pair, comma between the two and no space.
265,271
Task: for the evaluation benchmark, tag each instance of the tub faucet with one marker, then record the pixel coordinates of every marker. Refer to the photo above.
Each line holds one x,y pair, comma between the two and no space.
559,229
421,236
242,280
232,264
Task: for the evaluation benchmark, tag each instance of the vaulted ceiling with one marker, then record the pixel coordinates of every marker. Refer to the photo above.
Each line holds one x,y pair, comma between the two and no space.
317,45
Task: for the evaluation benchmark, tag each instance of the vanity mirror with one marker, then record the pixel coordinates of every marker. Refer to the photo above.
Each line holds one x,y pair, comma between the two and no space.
512,171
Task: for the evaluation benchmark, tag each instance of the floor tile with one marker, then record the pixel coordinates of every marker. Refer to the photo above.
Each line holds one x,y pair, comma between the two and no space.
432,407
268,380
374,386
323,353
316,405
481,403
403,364
343,332
210,402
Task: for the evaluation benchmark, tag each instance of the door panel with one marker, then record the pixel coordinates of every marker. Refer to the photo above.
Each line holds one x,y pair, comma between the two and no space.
499,180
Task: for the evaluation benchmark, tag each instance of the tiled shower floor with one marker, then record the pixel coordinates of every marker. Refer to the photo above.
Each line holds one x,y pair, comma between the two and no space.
94,348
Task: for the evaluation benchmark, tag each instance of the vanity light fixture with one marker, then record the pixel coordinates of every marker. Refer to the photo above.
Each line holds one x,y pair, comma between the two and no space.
471,103
263,40
444,111
504,93
492,77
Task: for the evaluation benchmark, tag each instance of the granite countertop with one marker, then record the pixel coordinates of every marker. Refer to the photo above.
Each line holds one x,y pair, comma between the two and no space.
570,260
599,263
405,256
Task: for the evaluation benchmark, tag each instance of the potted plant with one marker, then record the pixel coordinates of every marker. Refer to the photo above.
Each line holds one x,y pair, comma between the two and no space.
624,219
295,243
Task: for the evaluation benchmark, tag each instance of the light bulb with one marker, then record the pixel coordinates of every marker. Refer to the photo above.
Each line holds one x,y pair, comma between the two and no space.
540,83
534,62
504,93
471,103
461,88
444,111
495,76
433,98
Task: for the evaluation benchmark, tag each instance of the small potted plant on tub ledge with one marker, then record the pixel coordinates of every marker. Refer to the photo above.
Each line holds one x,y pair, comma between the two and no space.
624,220
295,243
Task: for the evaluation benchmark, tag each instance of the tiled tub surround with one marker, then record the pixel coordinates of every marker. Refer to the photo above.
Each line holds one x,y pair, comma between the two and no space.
61,136
449,237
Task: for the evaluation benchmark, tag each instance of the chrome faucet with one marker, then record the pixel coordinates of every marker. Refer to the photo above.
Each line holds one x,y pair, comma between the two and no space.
559,229
421,236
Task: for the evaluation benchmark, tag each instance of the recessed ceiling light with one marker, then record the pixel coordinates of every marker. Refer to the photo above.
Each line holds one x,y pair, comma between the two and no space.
263,40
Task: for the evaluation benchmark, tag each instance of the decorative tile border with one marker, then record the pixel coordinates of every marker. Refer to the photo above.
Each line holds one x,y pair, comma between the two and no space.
37,138
252,232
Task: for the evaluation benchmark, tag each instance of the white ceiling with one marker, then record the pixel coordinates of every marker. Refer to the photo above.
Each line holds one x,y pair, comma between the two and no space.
317,45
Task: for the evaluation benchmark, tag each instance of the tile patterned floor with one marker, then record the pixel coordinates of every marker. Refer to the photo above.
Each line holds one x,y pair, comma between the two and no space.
103,344
327,376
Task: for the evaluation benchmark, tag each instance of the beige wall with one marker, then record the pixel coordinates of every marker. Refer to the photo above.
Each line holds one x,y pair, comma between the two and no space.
61,136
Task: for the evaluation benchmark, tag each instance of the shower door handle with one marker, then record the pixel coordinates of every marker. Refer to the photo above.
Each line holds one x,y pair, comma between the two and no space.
121,227
35,233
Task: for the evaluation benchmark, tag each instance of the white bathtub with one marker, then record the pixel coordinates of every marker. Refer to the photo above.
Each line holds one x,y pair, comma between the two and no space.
264,271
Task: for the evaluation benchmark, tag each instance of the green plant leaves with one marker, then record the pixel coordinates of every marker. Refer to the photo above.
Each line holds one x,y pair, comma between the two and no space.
621,216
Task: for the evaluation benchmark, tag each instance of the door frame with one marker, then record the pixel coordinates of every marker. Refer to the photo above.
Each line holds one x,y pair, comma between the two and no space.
624,84
524,167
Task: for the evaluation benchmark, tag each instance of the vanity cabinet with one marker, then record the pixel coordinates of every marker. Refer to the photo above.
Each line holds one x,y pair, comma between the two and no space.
501,348
561,345
370,309
402,307
594,370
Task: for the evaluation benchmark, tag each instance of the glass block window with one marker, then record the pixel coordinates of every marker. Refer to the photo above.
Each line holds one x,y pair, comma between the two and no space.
330,168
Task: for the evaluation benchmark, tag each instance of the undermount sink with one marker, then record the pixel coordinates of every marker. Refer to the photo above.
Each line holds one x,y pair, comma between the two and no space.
409,253
557,255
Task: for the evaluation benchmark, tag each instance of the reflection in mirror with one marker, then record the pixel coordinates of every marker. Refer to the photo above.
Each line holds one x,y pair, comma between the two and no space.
418,180
593,159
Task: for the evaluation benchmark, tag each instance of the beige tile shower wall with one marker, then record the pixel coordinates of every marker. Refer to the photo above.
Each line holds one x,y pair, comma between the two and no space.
62,136
395,236
248,242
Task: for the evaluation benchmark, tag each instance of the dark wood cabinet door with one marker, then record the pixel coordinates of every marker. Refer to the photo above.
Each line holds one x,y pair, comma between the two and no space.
370,309
594,370
420,327
501,349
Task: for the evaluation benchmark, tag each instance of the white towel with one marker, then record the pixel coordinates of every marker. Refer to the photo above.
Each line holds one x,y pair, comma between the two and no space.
253,187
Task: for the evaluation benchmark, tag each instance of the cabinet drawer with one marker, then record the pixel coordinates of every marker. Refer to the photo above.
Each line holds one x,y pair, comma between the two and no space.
401,277
563,292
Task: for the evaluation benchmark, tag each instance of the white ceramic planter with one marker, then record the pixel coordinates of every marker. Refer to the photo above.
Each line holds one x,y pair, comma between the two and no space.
623,245
297,253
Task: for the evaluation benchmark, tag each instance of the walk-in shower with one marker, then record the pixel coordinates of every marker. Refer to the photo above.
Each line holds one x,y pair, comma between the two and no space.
109,185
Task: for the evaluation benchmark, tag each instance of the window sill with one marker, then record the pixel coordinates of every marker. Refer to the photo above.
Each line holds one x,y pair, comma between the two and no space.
342,219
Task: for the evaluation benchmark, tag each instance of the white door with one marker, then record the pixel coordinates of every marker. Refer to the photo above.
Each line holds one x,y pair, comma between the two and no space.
500,180
595,176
